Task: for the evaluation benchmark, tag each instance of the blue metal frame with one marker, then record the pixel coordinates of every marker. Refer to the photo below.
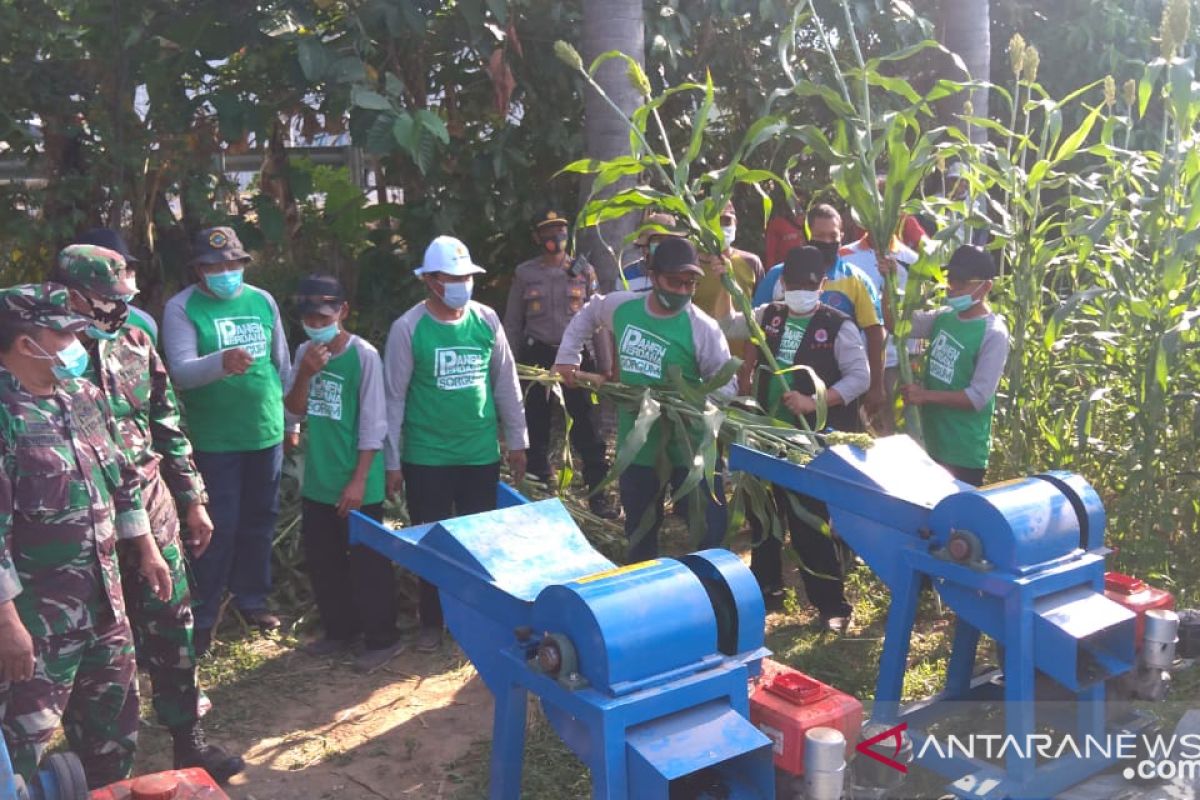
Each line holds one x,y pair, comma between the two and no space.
1035,586
664,649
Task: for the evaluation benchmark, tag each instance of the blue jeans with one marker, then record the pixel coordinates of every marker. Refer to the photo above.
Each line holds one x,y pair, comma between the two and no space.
243,494
640,492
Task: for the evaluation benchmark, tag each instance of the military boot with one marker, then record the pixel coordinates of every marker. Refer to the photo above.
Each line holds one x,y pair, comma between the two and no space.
193,750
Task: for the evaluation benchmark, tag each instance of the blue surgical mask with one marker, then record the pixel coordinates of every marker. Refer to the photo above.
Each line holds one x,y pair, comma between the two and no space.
961,303
457,295
128,298
225,284
99,333
322,335
72,360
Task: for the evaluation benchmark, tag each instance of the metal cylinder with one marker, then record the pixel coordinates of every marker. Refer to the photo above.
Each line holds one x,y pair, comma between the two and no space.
1161,634
824,764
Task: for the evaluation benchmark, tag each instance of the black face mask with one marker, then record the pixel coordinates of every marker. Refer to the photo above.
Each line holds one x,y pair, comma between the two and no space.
556,243
829,252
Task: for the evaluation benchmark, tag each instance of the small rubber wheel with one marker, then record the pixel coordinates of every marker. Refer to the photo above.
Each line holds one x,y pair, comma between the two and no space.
61,778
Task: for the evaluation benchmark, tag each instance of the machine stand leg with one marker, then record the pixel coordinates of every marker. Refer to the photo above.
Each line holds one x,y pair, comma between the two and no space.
508,743
609,776
1019,691
890,685
962,659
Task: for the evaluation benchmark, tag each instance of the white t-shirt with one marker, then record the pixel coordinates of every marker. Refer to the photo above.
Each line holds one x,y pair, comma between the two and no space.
863,257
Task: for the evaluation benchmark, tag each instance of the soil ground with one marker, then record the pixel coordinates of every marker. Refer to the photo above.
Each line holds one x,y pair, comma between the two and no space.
314,728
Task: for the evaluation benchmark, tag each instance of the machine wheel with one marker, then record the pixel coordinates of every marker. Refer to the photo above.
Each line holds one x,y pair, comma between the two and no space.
60,778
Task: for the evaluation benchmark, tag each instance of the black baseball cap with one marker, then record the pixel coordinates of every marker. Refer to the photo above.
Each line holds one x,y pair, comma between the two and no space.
971,263
673,256
319,294
109,240
217,245
803,266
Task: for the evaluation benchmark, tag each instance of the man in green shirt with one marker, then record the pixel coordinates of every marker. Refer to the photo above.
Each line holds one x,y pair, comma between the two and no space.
964,361
228,357
655,331
451,385
337,383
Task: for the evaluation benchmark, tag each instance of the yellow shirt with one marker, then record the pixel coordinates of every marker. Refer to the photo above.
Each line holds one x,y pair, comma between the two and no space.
747,272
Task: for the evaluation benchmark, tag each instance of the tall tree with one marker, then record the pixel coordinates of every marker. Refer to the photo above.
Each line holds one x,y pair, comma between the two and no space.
964,27
610,25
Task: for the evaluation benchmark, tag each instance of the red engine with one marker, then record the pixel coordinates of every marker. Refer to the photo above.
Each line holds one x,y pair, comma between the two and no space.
179,784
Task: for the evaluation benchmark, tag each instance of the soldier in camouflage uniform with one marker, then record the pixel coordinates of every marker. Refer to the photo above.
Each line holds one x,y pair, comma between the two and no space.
130,374
67,494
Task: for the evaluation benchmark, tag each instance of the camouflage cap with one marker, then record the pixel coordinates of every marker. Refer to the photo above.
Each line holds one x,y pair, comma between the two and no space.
47,305
95,269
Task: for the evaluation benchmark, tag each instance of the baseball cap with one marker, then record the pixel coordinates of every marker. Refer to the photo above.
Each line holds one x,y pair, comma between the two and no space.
449,255
803,266
661,219
46,305
319,294
970,263
108,239
215,245
549,216
94,269
675,256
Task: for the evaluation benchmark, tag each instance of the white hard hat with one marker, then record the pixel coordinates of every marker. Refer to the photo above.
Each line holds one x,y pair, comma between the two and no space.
449,255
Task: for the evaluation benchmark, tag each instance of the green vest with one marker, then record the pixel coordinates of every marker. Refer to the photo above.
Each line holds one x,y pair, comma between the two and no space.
332,450
956,436
647,346
239,413
450,411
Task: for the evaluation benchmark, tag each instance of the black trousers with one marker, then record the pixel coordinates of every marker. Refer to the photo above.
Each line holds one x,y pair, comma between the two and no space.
819,553
355,586
437,493
539,410
971,475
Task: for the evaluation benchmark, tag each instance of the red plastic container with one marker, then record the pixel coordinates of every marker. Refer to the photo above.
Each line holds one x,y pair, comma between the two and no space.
785,703
179,784
1138,596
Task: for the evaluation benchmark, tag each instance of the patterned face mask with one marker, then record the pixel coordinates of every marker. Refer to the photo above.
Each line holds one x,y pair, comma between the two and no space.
108,316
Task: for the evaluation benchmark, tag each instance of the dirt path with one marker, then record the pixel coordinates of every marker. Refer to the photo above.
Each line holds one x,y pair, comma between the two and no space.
314,728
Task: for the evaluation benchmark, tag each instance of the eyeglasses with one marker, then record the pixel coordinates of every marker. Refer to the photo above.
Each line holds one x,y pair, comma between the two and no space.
677,282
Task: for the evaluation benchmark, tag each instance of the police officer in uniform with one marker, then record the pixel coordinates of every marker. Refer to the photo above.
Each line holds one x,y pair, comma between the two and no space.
546,293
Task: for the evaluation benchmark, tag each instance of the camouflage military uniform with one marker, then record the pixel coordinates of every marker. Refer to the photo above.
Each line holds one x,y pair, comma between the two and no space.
135,384
140,397
67,493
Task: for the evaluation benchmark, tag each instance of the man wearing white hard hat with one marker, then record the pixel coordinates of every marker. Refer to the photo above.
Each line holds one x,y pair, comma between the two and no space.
451,385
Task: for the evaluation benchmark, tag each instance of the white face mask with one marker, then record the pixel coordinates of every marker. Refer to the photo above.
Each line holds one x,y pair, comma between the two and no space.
802,301
730,233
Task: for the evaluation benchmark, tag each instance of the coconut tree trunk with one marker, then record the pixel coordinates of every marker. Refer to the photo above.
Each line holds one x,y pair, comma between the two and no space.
964,27
609,25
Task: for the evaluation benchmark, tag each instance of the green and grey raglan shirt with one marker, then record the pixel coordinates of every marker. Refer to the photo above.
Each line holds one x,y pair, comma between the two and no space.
346,415
228,413
966,355
647,346
451,386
